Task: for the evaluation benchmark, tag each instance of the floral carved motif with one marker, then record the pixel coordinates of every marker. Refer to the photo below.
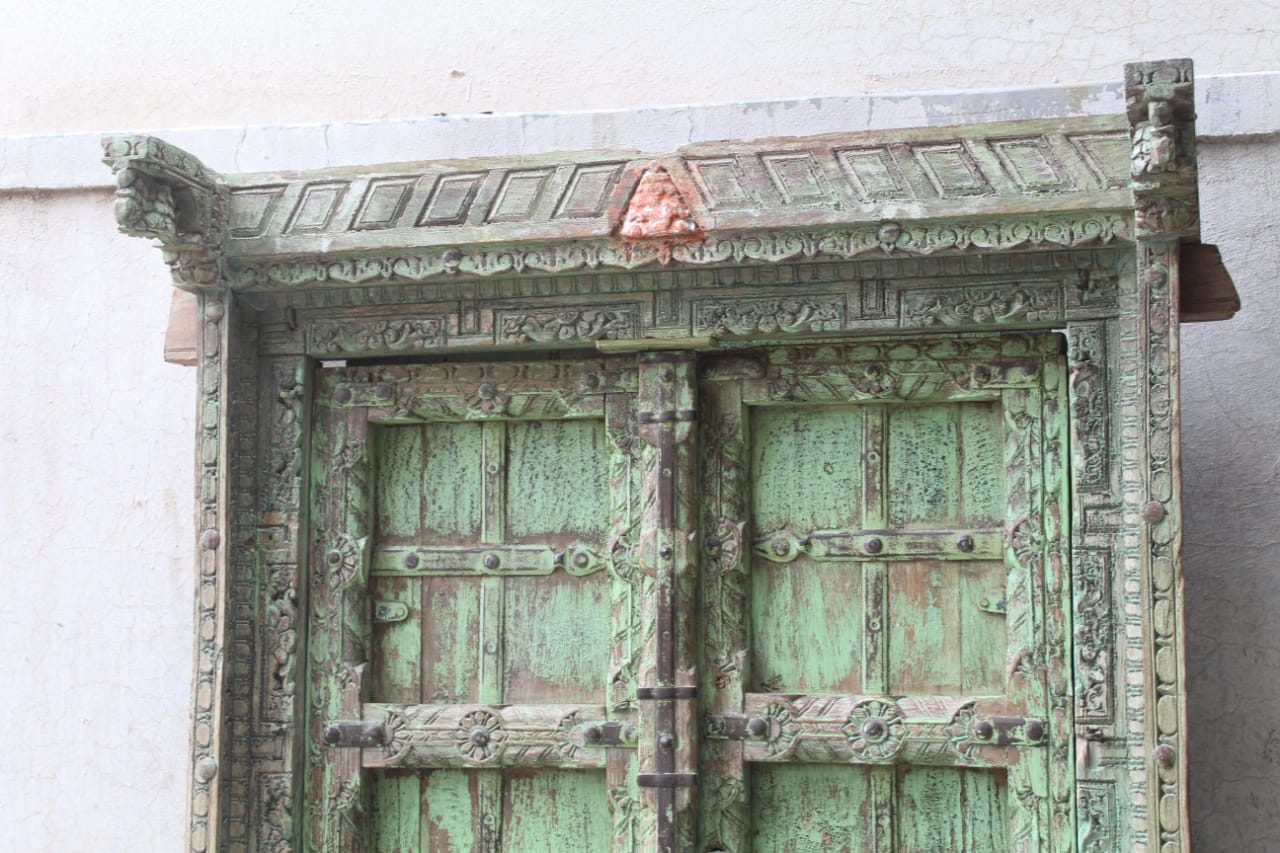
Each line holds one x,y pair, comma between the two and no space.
981,306
788,314
585,324
397,334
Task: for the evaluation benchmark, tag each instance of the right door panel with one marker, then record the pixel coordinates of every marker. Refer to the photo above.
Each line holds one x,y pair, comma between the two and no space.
883,598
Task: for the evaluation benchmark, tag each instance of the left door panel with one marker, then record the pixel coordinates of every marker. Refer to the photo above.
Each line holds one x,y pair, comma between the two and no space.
476,611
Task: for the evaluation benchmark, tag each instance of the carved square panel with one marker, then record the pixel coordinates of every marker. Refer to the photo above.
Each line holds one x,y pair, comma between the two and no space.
952,170
251,209
589,190
383,203
873,173
519,196
451,199
721,183
798,178
1106,154
316,206
1032,163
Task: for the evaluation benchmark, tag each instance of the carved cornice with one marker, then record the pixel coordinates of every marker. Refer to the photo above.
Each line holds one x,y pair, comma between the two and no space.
887,239
168,195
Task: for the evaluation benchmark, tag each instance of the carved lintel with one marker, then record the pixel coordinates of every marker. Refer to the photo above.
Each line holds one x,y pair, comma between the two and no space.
168,195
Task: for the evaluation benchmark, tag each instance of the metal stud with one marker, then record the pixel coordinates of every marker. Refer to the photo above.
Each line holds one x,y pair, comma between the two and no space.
984,730
757,726
874,729
965,543
593,734
342,395
874,545
1153,512
1035,731
480,736
411,561
666,742
491,561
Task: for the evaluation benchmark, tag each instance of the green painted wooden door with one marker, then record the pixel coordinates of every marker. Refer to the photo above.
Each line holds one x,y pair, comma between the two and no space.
487,512
875,624
883,599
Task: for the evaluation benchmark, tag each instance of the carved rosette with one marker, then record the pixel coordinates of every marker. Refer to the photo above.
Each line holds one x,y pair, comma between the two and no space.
480,736
874,730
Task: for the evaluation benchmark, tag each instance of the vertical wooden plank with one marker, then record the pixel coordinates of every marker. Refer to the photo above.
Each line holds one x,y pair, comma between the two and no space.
492,589
399,493
555,811
1024,560
558,488
493,479
949,809
488,784
395,670
922,466
924,633
984,636
395,812
633,628
448,812
875,575
806,627
807,621
556,633
798,808
452,640
396,662
452,493
724,663
806,468
981,475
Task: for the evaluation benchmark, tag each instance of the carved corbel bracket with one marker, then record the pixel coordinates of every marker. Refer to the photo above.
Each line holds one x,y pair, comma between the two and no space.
164,193
1160,105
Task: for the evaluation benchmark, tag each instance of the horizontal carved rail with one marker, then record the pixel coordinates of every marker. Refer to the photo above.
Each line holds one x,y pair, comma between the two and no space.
784,546
569,736
946,731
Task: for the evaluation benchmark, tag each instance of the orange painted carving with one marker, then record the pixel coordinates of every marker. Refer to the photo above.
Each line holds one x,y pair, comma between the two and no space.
657,209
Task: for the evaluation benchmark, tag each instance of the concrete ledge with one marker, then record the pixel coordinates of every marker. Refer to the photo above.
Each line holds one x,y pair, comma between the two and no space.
1243,106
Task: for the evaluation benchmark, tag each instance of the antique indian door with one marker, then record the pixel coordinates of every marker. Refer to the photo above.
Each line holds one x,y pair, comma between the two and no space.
796,494
841,568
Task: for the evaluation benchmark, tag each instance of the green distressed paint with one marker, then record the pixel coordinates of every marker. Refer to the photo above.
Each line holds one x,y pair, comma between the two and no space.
558,479
556,811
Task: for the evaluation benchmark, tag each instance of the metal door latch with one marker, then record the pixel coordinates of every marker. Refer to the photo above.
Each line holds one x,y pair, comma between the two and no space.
355,734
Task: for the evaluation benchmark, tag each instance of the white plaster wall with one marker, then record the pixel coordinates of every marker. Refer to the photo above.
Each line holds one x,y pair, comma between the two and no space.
136,63
96,453
96,460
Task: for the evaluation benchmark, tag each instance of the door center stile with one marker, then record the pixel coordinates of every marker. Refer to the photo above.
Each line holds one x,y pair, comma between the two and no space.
667,693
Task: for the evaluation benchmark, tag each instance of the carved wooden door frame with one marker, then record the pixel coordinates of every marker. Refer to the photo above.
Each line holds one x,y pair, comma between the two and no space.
1078,224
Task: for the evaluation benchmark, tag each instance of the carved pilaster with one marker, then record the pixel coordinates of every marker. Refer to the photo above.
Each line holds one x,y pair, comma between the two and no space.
168,195
1160,102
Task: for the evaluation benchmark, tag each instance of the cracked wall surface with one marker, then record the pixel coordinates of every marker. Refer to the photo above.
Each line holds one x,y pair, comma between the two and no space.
96,442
